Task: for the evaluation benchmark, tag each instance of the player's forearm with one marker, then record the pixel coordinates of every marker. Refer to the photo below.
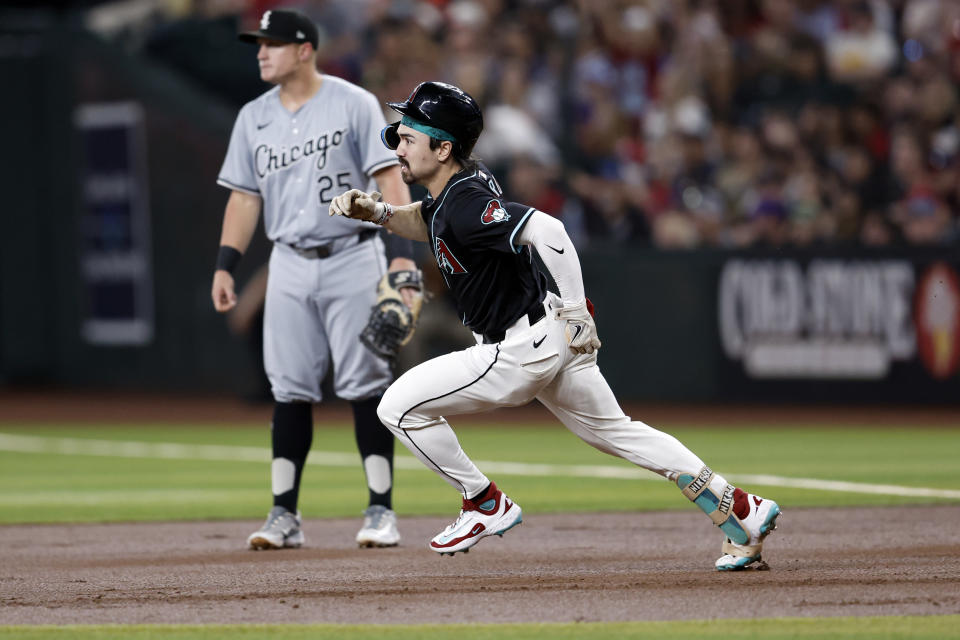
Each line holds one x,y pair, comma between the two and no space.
404,221
395,192
549,237
407,222
240,220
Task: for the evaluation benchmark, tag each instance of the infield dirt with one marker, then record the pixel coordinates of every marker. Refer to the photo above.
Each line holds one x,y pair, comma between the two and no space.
553,568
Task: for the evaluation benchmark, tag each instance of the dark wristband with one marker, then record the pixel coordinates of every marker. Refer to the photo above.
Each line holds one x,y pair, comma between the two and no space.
228,258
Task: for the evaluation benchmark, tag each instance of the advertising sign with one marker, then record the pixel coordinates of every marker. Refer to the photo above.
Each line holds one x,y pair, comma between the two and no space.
115,260
847,318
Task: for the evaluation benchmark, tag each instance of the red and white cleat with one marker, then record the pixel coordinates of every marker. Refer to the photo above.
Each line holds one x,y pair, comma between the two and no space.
491,513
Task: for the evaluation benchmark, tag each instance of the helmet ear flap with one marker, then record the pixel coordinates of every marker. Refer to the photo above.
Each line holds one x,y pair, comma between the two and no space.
390,137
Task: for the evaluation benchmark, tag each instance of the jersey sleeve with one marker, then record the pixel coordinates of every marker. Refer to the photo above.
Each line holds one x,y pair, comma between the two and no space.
238,172
368,123
490,222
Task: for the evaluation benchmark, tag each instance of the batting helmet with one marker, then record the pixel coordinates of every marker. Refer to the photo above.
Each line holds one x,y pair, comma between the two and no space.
442,111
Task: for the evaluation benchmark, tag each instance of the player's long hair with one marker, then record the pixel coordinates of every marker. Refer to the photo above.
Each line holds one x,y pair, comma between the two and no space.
467,162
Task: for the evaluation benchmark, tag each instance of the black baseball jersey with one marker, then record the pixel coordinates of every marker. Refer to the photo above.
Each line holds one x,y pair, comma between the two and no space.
473,235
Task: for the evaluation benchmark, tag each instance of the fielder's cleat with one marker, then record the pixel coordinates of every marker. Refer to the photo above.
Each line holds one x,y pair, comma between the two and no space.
759,523
282,529
379,528
492,513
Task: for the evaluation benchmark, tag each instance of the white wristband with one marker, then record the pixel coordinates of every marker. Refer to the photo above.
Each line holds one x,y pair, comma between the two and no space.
383,211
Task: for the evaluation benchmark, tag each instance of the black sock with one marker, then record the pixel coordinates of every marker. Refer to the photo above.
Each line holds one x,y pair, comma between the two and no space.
291,435
374,439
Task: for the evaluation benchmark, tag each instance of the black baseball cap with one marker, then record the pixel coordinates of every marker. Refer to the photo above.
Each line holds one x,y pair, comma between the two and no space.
284,25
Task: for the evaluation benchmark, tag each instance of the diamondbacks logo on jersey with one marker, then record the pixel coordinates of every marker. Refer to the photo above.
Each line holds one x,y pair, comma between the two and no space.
494,213
447,262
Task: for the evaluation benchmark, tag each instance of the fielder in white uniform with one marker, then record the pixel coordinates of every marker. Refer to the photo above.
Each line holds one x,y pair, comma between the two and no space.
292,150
530,344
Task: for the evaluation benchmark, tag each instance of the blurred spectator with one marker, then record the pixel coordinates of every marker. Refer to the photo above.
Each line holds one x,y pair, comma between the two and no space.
510,128
922,217
533,182
677,124
876,230
863,50
768,224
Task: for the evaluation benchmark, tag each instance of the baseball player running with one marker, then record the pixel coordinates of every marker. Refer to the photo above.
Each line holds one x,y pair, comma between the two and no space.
292,150
530,343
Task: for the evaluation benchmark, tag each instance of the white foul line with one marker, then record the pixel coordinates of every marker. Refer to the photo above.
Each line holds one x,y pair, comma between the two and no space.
212,452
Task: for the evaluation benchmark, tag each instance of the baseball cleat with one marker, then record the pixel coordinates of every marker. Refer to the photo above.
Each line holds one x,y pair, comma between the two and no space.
759,523
282,529
492,513
379,528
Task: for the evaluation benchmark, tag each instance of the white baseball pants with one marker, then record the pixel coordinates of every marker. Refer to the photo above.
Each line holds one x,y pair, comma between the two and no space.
531,362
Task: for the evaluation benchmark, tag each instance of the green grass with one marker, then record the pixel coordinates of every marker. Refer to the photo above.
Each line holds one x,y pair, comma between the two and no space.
42,487
872,628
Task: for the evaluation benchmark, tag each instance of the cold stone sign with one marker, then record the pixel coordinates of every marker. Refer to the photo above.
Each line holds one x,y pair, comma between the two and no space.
839,319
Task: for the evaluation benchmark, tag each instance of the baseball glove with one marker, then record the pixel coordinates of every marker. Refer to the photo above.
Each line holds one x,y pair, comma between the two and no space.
391,322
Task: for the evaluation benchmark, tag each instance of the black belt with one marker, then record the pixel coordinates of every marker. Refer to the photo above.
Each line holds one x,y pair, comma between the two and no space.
326,250
535,314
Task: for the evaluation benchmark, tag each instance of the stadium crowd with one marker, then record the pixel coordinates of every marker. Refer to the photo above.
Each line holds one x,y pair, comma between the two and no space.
673,123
